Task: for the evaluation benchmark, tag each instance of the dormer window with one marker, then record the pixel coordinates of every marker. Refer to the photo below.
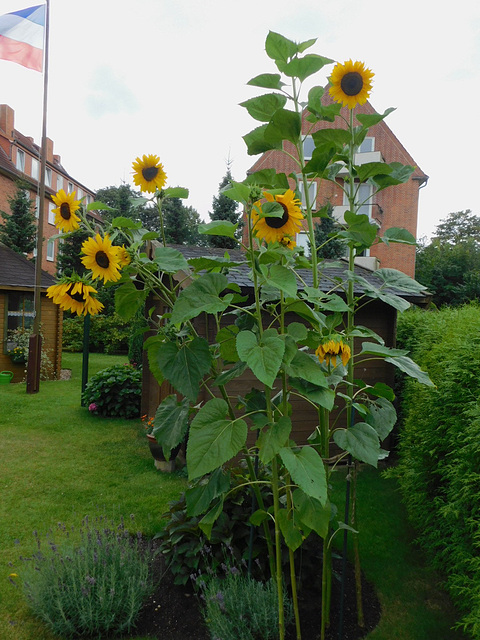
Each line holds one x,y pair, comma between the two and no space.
20,163
367,145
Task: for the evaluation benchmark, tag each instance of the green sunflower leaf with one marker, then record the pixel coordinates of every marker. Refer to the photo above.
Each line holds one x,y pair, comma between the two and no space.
322,396
267,81
382,417
399,174
175,192
269,179
307,471
169,259
200,497
98,206
213,438
202,295
338,137
311,512
284,125
308,368
273,439
278,47
411,368
257,143
128,300
361,440
368,120
292,535
223,228
184,366
397,234
263,107
209,519
283,279
302,68
125,223
171,423
226,338
263,356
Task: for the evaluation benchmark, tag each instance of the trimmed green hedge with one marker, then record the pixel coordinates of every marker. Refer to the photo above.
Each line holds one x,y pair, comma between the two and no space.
439,448
108,334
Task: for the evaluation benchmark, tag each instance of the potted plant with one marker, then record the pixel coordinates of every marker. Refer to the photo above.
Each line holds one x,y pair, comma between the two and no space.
156,449
18,355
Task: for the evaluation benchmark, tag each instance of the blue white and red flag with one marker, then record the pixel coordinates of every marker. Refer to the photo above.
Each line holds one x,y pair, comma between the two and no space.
22,35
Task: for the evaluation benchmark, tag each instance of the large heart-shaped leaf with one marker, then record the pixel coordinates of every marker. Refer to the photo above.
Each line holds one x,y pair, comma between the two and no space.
184,366
273,439
307,471
263,356
203,295
171,423
361,440
213,438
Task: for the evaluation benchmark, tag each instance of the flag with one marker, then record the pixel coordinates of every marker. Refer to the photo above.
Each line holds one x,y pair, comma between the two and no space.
21,37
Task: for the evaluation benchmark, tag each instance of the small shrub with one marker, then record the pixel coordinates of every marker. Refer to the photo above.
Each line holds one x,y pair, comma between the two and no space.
94,587
20,338
115,392
108,334
240,608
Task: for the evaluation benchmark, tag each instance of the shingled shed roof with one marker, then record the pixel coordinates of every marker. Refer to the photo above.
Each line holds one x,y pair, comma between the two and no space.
331,271
18,272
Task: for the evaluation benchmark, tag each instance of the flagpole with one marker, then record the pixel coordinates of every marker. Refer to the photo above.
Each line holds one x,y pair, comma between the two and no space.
35,343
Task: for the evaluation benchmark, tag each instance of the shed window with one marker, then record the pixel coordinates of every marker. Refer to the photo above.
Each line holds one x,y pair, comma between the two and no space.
20,314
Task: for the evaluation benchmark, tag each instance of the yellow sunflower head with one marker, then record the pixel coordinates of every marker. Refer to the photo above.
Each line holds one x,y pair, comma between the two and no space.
332,349
76,296
123,256
287,242
149,174
351,83
275,229
101,258
65,218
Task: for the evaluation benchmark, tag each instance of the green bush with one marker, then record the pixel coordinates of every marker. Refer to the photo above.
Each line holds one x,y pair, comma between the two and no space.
96,587
108,334
440,446
114,392
240,608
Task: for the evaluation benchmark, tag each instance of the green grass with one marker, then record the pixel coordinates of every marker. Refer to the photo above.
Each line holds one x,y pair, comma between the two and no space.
59,463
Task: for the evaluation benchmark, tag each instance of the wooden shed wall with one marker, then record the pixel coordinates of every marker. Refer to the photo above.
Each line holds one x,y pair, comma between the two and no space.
377,316
51,322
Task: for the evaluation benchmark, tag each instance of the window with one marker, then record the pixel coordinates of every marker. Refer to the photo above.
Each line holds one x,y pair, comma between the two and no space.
48,177
37,206
35,166
51,250
20,160
20,314
364,199
312,193
308,147
79,194
51,215
302,241
70,187
367,145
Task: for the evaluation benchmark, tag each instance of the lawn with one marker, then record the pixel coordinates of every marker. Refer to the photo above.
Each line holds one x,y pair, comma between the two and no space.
59,463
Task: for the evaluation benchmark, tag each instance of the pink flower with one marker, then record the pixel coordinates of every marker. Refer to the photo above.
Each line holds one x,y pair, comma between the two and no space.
92,407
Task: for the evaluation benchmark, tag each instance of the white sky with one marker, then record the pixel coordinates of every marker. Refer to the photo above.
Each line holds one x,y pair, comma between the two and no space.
133,77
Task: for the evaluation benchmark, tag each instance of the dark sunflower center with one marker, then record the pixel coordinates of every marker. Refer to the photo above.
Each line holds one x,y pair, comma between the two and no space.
102,259
150,173
65,211
352,83
276,223
76,296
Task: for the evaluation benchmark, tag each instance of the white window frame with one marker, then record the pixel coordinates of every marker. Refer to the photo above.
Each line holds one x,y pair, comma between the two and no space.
302,241
366,208
312,189
35,172
51,250
367,145
70,187
48,177
20,160
37,207
308,147
51,215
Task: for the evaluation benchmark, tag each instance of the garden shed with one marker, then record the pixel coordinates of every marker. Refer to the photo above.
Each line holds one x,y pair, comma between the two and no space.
17,283
375,315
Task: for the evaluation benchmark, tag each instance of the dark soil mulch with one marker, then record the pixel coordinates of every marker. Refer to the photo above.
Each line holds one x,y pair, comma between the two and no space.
174,612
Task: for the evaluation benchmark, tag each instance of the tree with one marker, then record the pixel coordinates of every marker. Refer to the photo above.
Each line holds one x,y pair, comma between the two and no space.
225,208
127,203
19,228
327,246
181,223
449,266
69,258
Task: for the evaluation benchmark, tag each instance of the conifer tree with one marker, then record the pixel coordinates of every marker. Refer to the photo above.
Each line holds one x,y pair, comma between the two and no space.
224,209
19,228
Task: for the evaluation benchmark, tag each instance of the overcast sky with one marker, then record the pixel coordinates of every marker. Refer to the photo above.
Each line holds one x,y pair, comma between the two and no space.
133,77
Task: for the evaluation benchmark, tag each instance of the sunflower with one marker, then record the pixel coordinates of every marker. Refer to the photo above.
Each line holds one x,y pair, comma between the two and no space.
149,174
65,218
123,256
76,296
287,242
275,229
101,257
331,349
351,83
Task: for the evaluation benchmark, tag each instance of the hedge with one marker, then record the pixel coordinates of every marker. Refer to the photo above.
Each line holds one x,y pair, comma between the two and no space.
108,334
439,448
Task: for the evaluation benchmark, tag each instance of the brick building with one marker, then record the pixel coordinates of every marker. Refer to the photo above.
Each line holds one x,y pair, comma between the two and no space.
393,207
20,159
